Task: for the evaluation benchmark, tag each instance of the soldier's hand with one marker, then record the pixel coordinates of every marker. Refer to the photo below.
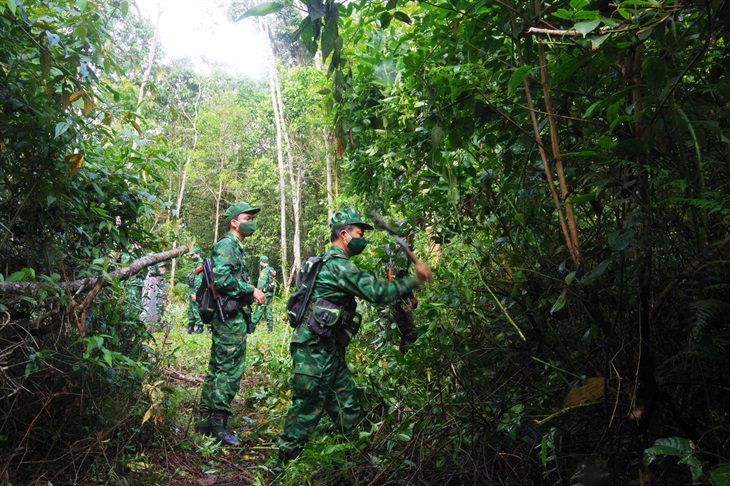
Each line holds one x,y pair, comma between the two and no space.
259,296
423,272
193,298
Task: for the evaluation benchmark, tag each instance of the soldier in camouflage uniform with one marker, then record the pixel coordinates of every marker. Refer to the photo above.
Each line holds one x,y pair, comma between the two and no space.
195,325
266,285
228,347
322,382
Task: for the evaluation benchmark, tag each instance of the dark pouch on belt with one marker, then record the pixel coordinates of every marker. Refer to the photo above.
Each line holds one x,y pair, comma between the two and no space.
324,316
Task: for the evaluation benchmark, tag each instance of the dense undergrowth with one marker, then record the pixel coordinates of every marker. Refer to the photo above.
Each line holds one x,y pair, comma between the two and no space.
469,403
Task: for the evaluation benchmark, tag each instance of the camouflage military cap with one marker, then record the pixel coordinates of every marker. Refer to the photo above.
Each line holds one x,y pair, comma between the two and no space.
239,208
264,258
346,217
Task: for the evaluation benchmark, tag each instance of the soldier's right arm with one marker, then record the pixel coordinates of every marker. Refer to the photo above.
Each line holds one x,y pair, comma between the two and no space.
362,284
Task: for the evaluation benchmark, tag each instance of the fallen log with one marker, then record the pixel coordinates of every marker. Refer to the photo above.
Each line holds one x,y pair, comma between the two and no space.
78,286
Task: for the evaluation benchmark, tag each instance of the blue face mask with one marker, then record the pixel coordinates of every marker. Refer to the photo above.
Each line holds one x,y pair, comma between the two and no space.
356,245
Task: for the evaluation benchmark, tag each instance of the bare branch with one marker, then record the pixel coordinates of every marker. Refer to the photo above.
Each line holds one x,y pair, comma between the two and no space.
78,286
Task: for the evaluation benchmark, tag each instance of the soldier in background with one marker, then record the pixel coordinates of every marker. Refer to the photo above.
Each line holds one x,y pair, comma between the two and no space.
267,285
195,324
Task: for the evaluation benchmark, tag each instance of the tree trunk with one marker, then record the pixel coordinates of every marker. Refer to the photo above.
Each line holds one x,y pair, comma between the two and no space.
279,149
79,286
328,170
219,198
295,178
150,60
181,192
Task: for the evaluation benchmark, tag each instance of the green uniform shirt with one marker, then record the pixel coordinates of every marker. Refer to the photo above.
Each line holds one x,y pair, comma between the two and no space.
229,266
340,281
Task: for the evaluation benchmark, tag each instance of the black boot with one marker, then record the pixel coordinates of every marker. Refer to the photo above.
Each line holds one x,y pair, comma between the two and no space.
199,330
219,429
203,425
191,328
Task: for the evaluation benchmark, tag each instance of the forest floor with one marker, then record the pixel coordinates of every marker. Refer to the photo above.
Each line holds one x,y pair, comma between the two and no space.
191,459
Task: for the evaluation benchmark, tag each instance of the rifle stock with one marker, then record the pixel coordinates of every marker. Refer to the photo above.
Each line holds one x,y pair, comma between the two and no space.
207,271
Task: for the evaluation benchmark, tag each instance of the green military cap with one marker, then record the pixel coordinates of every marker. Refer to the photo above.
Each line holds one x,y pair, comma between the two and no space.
239,208
195,250
162,264
346,217
264,258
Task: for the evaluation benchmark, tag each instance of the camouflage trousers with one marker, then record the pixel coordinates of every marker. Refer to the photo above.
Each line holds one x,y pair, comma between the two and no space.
193,314
226,365
264,311
321,383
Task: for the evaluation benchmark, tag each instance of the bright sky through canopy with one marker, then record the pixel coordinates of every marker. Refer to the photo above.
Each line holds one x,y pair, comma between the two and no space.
201,31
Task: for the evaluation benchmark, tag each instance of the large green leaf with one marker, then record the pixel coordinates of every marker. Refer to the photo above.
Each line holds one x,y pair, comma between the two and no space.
330,33
517,78
676,447
720,476
261,10
586,27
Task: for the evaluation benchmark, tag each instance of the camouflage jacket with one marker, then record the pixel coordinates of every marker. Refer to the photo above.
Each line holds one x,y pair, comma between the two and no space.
264,278
229,268
340,281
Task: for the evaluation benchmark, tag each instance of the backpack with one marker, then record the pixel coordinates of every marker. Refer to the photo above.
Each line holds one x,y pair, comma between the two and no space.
205,300
296,306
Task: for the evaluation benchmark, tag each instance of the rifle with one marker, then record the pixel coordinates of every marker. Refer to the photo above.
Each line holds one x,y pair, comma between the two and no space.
207,271
380,222
403,308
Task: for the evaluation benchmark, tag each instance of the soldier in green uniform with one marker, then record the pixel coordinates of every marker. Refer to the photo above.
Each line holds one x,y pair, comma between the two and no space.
195,325
228,346
266,285
322,381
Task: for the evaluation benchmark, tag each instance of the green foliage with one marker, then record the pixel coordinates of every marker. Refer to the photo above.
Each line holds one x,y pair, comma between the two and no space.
442,116
678,447
720,476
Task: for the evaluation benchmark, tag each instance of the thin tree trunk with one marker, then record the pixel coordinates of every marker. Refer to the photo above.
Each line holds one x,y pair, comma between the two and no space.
178,206
295,176
573,250
570,216
328,171
150,60
279,150
219,198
